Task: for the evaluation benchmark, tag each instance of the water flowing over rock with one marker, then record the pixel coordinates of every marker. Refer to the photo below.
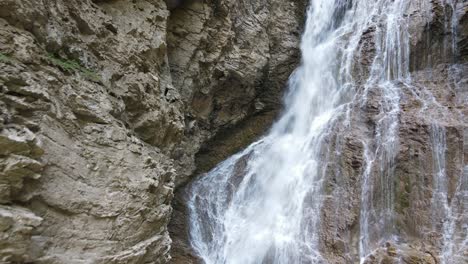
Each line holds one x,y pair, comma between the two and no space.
111,111
367,163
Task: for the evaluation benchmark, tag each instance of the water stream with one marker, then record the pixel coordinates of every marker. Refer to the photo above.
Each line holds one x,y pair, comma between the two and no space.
263,204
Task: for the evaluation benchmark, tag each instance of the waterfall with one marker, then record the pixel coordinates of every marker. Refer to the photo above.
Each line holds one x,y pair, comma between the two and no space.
263,205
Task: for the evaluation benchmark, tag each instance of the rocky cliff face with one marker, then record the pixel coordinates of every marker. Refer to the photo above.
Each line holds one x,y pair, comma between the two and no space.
108,105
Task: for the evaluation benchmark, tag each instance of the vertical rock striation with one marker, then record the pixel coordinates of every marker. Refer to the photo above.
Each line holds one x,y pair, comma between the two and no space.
435,101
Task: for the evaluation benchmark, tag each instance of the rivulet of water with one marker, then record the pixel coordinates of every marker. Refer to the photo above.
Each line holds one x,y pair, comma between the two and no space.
263,204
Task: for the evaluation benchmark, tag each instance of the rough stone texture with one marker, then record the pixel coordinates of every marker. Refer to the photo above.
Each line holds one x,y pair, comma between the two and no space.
390,254
104,105
463,32
89,117
16,226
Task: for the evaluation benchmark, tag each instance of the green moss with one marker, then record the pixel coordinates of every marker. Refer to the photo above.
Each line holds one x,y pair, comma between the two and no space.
74,66
403,201
4,57
403,196
328,189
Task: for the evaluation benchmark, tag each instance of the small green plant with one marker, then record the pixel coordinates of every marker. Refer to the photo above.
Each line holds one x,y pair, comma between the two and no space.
74,66
4,57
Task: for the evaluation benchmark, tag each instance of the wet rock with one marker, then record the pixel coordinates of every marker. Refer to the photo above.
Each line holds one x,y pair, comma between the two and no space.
390,254
430,101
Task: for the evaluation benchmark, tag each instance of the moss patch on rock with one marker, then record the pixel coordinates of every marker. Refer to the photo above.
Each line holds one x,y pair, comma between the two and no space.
74,66
4,57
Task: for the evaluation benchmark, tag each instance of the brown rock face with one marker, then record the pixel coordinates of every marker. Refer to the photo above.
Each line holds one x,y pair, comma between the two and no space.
433,110
413,177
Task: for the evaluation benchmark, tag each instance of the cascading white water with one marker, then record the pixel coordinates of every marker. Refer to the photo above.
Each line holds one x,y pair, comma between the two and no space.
263,205
270,213
441,208
449,211
445,210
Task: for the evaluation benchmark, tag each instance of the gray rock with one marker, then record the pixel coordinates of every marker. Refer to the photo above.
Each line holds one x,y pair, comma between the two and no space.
16,227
